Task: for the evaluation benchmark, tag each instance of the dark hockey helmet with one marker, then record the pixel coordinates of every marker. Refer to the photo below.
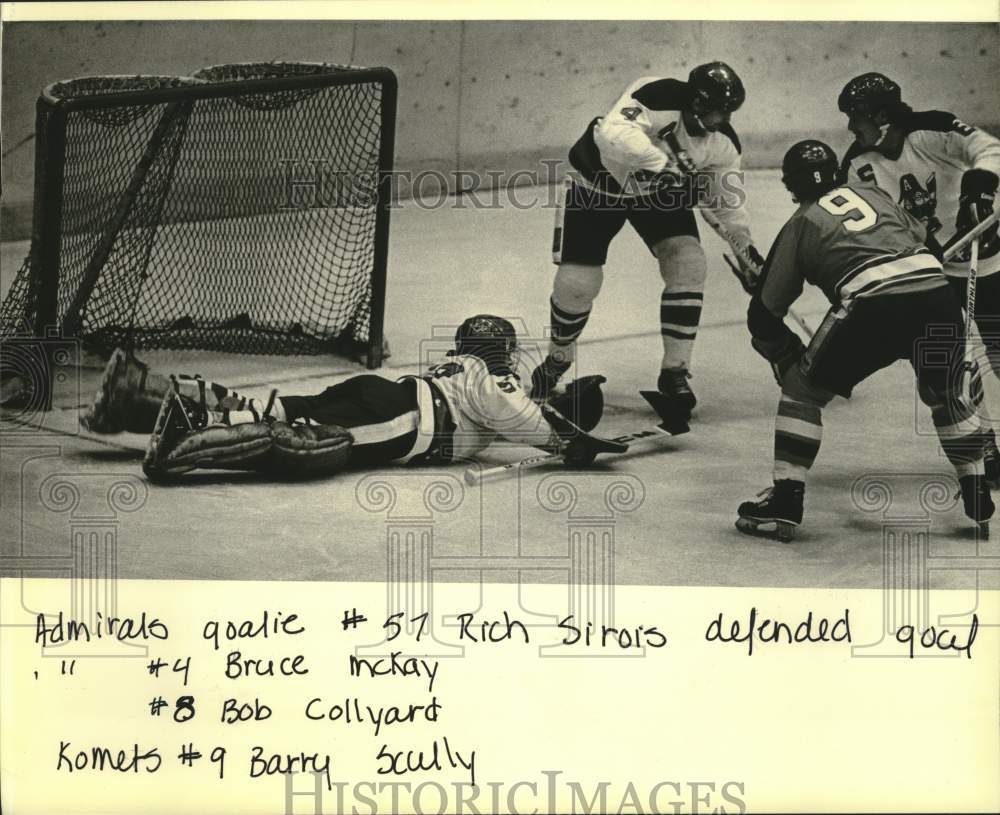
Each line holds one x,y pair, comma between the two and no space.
715,86
868,94
491,338
809,169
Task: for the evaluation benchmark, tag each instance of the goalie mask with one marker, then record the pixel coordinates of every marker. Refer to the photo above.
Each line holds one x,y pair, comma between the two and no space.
809,169
492,339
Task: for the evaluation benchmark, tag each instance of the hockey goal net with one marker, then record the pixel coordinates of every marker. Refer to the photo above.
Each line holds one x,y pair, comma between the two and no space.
243,209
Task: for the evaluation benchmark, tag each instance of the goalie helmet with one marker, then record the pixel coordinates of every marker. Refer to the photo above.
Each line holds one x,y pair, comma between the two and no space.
492,339
868,94
809,169
715,86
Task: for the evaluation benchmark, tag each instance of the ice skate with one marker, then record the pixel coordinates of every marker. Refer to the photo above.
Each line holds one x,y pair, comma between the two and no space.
978,503
128,398
776,513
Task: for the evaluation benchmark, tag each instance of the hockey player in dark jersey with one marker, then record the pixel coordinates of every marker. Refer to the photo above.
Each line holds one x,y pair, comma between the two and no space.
943,172
458,409
886,288
626,168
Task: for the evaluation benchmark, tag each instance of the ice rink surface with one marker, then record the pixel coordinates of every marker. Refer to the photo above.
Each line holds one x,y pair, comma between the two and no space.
668,512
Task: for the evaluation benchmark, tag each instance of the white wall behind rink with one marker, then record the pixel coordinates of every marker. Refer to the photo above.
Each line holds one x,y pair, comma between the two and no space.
504,95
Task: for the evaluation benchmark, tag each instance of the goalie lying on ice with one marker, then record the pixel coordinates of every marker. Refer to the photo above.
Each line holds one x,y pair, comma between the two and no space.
455,411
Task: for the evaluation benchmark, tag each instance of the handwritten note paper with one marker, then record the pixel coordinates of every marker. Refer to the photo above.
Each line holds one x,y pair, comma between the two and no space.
256,697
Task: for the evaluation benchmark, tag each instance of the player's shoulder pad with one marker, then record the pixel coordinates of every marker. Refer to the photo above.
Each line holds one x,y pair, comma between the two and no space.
663,94
940,121
727,130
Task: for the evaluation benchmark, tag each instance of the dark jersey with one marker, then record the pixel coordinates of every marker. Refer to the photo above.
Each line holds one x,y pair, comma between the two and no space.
852,242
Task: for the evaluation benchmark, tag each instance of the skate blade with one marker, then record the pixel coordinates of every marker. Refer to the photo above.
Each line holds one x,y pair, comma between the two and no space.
777,530
672,422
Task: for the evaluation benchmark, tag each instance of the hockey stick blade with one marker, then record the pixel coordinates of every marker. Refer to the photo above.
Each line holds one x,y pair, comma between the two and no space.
636,441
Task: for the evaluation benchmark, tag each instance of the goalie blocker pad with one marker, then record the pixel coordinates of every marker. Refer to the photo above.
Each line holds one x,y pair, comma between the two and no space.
275,449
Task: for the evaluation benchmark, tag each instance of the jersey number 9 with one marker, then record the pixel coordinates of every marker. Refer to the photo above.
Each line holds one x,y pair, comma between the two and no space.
844,201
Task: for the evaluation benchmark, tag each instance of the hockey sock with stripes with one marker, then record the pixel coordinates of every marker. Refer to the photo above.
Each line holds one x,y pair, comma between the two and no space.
798,433
962,437
566,329
680,313
251,410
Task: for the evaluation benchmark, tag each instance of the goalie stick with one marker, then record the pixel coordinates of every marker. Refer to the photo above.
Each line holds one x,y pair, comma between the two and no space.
639,440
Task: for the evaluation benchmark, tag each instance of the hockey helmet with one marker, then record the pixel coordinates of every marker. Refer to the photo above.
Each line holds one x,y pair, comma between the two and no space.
809,169
715,86
868,94
491,338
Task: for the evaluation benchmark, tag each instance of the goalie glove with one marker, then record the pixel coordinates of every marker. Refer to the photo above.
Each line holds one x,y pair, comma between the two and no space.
582,402
975,204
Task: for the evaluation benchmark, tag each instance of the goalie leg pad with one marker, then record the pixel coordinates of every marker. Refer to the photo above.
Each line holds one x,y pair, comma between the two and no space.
308,450
218,447
277,450
128,398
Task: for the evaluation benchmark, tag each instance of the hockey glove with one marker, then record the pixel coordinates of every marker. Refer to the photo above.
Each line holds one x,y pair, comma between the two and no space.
750,281
782,354
975,204
756,267
772,339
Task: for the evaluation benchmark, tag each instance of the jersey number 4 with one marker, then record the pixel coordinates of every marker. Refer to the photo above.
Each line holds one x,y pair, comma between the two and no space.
858,213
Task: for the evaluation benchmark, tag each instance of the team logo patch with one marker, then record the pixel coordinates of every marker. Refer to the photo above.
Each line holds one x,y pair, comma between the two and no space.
920,201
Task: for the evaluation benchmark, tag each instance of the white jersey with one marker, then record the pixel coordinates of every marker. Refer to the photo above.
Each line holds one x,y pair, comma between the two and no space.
631,141
485,405
925,177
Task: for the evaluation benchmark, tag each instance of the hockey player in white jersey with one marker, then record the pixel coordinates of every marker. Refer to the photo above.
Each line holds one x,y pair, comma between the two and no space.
626,169
454,412
942,171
